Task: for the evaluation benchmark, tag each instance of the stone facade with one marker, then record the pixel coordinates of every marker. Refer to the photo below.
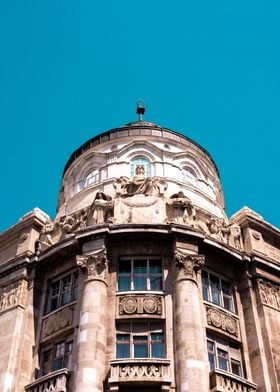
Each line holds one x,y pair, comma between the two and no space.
141,282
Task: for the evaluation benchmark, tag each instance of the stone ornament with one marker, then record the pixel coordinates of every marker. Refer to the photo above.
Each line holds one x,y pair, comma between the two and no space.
57,321
140,184
269,293
181,210
132,370
220,320
101,210
13,295
188,265
96,265
140,304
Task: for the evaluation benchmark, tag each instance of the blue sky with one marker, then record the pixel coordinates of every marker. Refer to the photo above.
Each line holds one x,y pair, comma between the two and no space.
71,69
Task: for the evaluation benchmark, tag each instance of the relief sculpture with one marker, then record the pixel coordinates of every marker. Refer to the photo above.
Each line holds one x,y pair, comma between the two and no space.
222,321
13,295
269,293
140,305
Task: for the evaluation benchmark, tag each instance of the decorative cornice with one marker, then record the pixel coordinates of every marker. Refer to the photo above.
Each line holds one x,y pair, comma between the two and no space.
95,264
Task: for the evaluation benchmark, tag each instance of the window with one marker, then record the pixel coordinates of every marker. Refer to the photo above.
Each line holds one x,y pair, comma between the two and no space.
62,291
56,357
140,340
143,162
217,290
223,355
140,274
189,176
92,178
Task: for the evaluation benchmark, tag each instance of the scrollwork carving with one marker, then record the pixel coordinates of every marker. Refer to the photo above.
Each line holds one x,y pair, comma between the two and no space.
222,321
188,264
96,264
269,293
140,304
13,295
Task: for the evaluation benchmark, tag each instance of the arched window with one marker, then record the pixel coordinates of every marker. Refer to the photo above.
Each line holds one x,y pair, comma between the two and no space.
189,176
140,161
92,178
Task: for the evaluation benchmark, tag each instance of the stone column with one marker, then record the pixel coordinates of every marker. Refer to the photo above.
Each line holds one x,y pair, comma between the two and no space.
91,341
191,365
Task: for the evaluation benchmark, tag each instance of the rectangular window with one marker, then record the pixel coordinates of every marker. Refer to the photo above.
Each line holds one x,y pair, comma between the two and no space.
56,357
224,355
140,274
140,340
217,291
62,291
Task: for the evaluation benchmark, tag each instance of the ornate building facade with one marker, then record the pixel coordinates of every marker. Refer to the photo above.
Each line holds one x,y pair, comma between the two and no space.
141,282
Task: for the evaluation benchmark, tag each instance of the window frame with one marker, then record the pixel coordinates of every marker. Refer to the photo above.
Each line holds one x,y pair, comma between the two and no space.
57,293
59,355
224,352
209,291
146,340
133,275
143,161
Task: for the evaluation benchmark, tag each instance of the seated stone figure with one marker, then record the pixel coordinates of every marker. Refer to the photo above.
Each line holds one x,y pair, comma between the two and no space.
140,184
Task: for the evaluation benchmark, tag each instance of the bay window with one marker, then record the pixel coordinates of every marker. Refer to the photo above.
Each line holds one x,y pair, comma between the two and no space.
140,274
217,291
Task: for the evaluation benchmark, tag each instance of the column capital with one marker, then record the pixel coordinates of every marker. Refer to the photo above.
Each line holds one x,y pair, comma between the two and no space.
187,265
96,265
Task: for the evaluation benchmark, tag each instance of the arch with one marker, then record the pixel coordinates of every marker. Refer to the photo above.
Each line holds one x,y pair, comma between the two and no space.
140,160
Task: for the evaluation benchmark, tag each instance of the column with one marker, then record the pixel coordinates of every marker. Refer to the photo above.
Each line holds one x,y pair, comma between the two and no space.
191,364
91,341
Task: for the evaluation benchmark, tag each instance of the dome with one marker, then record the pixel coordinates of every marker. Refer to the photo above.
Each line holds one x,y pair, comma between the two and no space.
175,161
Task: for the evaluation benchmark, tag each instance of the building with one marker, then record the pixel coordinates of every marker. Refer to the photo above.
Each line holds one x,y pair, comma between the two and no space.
141,282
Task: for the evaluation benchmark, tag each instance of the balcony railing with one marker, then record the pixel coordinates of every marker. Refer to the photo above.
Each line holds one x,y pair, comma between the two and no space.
52,382
144,370
221,381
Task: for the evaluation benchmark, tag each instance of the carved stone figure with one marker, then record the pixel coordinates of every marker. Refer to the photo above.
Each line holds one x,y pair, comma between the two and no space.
182,210
235,236
214,226
140,184
101,210
45,236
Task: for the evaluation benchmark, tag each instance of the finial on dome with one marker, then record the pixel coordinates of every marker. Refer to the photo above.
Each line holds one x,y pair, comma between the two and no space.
140,109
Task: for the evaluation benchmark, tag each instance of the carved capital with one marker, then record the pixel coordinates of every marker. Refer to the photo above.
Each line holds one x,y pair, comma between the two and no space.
95,264
188,265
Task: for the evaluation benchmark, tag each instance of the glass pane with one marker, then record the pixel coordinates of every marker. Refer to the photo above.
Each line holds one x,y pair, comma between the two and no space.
158,350
205,293
228,303
226,288
140,266
210,346
124,283
57,364
140,351
215,289
211,359
65,298
156,283
55,288
155,267
125,266
123,350
140,283
222,359
122,338
235,367
54,304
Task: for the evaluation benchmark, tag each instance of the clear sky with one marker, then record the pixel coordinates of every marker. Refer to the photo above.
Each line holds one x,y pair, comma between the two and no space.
72,69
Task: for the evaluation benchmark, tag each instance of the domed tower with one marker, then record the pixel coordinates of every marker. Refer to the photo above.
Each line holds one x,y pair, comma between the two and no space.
141,282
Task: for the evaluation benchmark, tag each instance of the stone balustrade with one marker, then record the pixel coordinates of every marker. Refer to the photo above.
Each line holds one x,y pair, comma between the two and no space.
52,382
221,381
144,370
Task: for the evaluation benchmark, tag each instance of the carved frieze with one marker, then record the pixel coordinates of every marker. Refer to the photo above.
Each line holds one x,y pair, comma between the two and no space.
221,320
13,295
269,293
95,264
57,321
188,265
140,304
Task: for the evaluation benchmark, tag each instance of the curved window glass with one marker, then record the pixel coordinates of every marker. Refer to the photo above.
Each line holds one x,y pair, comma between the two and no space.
140,161
189,176
92,178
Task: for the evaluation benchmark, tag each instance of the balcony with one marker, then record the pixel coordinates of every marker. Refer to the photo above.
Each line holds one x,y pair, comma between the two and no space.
221,381
152,371
52,382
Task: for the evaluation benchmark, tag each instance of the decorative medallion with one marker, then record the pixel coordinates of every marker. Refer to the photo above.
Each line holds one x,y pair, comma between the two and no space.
150,305
221,320
140,304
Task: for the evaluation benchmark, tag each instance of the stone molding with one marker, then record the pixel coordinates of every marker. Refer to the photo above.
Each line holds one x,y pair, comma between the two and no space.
224,381
55,382
220,320
13,295
187,265
56,322
140,304
269,293
95,264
